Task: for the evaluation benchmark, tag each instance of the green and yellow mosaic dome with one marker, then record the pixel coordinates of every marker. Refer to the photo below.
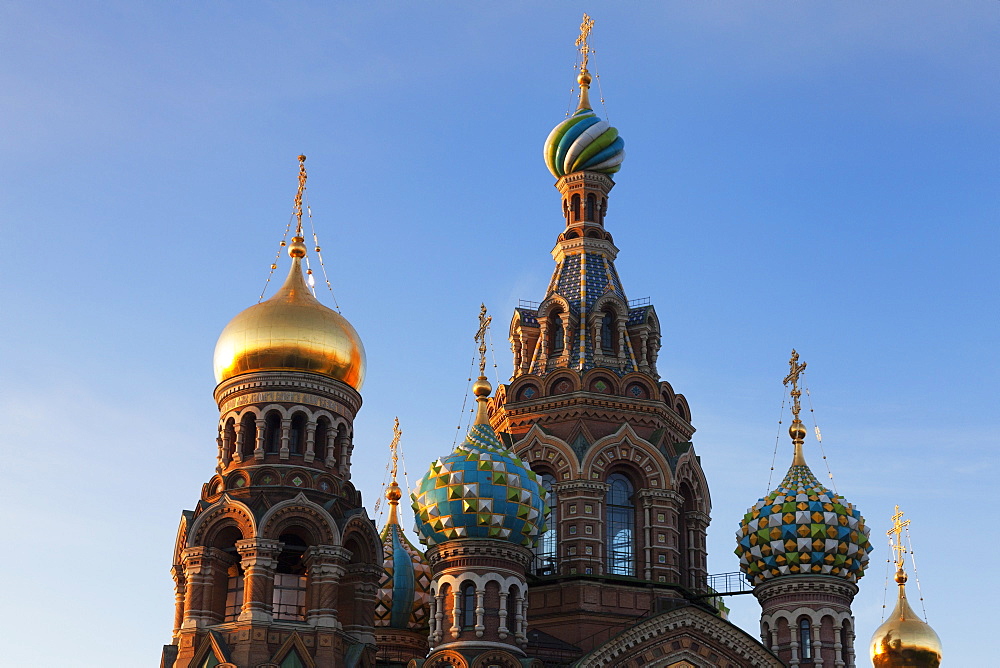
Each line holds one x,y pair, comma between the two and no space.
481,490
583,143
802,528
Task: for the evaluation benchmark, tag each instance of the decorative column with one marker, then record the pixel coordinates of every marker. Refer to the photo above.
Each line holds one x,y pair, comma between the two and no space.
325,565
202,569
310,441
180,587
259,558
258,451
286,425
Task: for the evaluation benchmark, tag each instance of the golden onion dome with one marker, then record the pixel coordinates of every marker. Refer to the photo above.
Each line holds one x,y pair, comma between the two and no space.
291,331
905,639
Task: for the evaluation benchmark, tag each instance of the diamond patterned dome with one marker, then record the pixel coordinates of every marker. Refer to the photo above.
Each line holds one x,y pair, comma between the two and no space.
802,527
481,490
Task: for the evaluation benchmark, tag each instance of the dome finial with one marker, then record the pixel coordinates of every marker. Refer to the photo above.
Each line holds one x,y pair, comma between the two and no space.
393,493
583,43
797,431
482,388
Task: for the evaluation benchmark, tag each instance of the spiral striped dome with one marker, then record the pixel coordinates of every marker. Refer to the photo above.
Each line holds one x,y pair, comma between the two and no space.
583,143
802,528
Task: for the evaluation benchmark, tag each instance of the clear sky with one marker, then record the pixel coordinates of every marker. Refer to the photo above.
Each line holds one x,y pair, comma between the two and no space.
813,175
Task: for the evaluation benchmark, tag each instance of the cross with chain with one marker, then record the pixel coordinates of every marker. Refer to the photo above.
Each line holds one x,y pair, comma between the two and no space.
895,541
298,195
583,41
484,323
793,377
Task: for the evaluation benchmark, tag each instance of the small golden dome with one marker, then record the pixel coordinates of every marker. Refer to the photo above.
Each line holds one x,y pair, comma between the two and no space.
292,330
393,493
905,639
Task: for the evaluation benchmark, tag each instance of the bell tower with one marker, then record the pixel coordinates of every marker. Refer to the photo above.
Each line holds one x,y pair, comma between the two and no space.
278,562
587,410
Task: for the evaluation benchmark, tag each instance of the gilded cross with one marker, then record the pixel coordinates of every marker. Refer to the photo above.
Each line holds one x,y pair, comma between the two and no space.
298,195
484,323
583,41
394,448
793,377
895,540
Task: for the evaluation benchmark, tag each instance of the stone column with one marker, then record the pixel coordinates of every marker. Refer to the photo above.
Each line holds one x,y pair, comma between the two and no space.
180,587
259,559
286,425
325,565
503,630
258,451
238,450
203,567
480,610
310,441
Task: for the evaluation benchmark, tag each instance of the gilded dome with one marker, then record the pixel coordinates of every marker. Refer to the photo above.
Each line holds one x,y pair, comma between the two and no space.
802,527
404,591
583,143
291,331
481,490
905,639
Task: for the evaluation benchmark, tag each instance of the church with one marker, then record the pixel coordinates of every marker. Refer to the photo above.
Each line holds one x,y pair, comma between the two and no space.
567,528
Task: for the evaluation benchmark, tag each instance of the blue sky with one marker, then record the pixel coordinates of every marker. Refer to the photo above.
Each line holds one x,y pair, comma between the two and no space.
813,175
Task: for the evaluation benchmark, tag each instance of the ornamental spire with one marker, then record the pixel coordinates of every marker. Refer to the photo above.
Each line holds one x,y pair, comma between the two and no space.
583,43
482,388
298,196
797,431
393,493
896,543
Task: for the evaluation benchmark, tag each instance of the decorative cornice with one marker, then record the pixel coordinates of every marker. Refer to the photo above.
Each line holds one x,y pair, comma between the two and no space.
287,387
804,585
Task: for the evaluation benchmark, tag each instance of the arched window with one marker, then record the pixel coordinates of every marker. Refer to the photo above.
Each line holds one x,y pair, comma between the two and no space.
575,206
845,642
547,547
558,334
248,434
589,212
805,639
297,435
512,608
229,438
607,338
620,509
468,605
272,432
321,437
289,600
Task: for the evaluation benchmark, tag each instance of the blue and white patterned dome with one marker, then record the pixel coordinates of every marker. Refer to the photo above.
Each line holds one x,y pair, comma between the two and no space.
481,490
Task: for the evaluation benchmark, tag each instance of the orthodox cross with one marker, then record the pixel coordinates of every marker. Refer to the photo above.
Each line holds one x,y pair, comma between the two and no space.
583,41
298,195
793,377
484,323
895,540
394,448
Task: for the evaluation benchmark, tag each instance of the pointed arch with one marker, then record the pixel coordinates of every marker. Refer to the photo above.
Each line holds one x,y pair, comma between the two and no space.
302,512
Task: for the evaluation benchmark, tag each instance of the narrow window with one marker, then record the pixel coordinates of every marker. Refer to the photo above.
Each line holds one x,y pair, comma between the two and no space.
234,594
289,600
607,341
468,605
575,205
248,434
805,639
590,209
558,335
621,526
547,547
272,432
512,609
297,435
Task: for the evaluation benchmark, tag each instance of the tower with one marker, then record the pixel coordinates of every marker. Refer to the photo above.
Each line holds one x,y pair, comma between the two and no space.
904,639
587,410
278,563
479,510
401,614
803,548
